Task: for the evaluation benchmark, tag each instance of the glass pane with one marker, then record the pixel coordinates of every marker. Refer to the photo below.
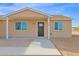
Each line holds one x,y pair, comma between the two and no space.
56,26
60,25
24,25
41,25
24,28
18,26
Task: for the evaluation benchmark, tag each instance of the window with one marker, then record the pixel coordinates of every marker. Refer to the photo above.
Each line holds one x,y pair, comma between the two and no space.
58,26
22,26
18,26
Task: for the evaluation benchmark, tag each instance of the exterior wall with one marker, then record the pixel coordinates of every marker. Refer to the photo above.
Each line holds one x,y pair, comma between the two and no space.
2,28
32,30
32,18
65,33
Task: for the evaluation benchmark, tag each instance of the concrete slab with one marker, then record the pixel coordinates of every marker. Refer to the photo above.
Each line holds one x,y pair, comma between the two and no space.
37,47
42,47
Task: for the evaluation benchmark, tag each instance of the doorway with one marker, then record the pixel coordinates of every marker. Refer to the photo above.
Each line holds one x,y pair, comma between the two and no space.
41,29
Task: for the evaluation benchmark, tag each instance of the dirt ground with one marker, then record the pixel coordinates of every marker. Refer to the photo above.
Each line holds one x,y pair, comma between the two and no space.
15,42
68,46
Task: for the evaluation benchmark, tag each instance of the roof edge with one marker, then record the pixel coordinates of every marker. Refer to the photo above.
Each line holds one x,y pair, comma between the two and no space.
62,15
20,10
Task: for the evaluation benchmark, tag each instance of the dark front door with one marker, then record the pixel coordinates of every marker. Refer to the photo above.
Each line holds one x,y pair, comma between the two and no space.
40,28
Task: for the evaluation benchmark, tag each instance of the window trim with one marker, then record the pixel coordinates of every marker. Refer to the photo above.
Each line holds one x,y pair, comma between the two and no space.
62,26
21,26
15,27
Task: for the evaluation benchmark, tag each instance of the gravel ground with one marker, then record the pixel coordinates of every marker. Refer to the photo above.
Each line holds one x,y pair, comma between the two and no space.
68,46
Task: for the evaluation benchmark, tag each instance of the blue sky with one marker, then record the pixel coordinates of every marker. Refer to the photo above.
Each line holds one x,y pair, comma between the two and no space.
67,9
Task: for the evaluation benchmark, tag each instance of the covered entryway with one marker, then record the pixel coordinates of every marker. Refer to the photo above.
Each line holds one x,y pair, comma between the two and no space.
27,23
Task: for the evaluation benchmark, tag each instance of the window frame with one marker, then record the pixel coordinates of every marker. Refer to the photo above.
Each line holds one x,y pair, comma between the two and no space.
21,26
59,29
15,26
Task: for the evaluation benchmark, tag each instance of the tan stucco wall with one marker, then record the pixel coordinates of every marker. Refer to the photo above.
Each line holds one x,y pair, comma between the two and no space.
65,33
27,16
32,30
2,28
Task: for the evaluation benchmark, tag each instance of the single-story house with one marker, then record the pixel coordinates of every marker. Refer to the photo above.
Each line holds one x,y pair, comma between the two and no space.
28,22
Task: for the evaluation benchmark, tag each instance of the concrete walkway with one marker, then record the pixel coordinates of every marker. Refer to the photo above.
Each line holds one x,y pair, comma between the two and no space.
37,47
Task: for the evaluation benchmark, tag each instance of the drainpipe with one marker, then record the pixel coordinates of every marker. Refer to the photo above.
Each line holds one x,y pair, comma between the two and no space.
7,28
48,27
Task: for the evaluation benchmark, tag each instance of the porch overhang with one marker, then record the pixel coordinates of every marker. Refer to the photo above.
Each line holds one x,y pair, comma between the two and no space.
27,16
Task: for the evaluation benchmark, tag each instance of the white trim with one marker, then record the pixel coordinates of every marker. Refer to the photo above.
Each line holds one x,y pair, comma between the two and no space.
48,27
7,28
